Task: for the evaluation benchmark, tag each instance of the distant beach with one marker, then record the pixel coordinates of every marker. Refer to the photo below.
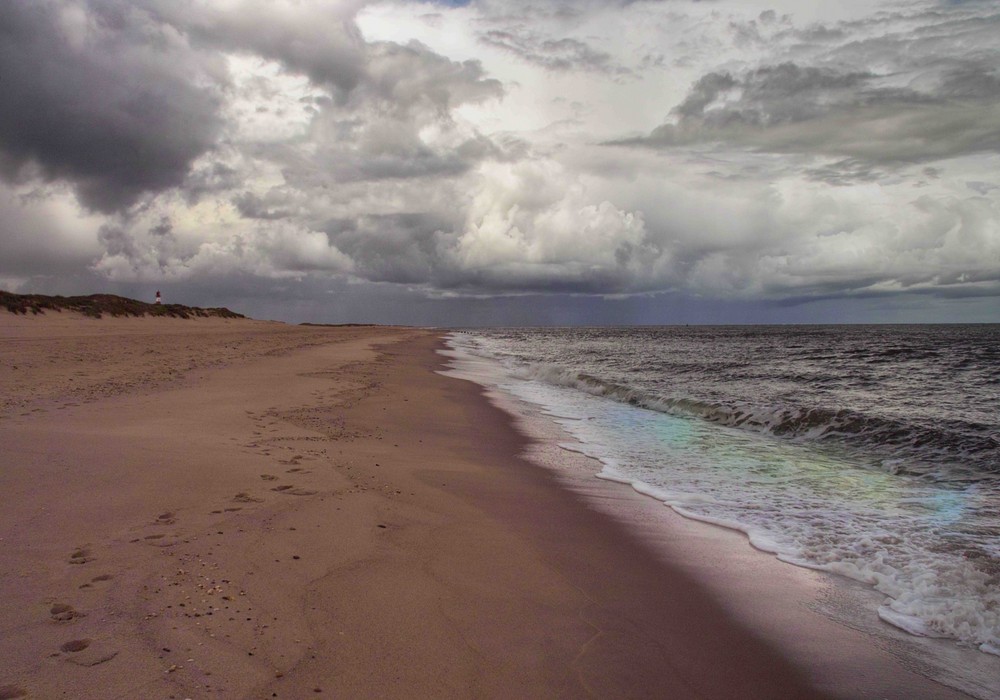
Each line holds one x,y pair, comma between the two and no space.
221,507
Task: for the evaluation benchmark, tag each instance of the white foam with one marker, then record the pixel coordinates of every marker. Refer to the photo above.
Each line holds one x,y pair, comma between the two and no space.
908,623
811,509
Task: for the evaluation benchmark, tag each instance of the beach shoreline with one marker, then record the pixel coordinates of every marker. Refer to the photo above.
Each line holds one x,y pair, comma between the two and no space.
261,510
824,623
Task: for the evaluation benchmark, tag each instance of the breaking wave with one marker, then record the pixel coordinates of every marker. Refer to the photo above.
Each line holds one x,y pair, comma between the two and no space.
969,450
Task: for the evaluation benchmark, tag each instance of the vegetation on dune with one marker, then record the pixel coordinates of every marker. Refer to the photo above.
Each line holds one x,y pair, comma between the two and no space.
97,305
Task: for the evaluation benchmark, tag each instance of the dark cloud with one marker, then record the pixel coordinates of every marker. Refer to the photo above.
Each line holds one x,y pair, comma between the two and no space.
854,115
402,248
413,162
848,171
771,95
970,80
563,54
319,40
263,154
251,206
526,277
395,151
567,10
163,228
99,95
411,76
373,150
982,188
396,125
877,92
322,42
155,249
210,179
112,97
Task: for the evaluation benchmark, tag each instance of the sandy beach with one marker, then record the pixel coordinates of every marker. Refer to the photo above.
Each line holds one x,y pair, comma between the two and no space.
242,509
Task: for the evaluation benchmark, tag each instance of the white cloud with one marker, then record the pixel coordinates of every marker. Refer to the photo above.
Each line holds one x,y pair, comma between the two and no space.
763,152
538,224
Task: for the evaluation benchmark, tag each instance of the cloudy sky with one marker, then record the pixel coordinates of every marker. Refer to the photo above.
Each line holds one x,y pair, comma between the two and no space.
507,161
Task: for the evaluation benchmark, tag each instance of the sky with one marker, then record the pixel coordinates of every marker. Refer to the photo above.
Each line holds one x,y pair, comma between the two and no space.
507,162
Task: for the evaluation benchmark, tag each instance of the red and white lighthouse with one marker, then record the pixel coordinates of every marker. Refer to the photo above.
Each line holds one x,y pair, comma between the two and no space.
158,300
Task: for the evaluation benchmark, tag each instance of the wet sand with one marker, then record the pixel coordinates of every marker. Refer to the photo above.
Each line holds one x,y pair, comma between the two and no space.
210,508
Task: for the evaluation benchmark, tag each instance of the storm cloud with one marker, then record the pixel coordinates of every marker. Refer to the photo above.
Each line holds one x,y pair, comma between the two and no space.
103,97
793,109
416,156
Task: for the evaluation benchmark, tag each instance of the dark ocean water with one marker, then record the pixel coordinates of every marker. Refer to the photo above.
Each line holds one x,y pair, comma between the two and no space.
869,451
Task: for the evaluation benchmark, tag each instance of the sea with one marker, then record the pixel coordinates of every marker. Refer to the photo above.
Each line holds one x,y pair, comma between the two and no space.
870,452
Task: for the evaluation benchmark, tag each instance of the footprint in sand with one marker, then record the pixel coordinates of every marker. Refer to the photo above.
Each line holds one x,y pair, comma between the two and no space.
244,497
290,490
10,692
80,556
61,612
85,652
97,579
268,477
167,518
75,645
161,540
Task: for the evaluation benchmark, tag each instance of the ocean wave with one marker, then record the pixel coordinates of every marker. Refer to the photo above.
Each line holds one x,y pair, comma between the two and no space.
969,450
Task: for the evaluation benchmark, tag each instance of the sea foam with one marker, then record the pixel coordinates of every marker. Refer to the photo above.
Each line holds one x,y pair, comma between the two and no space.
920,542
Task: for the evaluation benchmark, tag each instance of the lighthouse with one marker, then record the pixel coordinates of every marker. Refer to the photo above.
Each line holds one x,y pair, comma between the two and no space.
158,300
